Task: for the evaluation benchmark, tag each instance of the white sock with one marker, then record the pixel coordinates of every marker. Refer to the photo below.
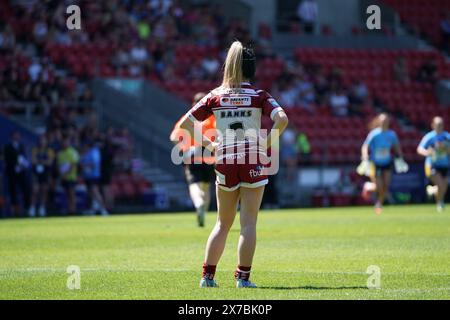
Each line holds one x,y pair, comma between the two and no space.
196,195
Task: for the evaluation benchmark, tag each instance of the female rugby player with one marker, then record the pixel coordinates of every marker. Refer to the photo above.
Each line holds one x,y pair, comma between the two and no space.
199,174
238,108
435,147
377,149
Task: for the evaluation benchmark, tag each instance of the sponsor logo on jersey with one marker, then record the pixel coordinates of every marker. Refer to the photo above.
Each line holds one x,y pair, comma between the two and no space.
220,91
258,171
235,101
235,113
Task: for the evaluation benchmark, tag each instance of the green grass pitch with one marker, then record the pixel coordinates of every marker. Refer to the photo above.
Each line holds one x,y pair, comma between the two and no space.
301,254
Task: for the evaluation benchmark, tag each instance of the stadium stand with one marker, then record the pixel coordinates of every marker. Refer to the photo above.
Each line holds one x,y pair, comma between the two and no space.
413,100
423,17
162,45
34,79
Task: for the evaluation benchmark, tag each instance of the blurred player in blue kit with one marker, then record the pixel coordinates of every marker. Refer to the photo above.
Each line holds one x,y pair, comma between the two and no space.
377,160
435,147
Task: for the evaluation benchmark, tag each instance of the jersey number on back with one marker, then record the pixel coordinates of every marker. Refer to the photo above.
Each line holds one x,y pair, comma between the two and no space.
236,126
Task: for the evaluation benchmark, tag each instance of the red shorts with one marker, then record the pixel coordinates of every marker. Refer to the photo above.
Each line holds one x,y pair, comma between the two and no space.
230,177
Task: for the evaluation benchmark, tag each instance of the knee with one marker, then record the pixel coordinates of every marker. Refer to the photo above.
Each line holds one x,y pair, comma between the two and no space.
383,186
248,228
223,226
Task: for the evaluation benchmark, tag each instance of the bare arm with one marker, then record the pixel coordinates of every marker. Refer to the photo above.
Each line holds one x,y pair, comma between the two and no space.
188,125
424,152
365,152
280,123
173,137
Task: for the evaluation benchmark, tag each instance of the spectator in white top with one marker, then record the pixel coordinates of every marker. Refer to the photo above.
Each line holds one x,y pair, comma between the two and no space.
358,96
339,103
40,31
138,53
134,69
211,65
121,58
306,93
288,94
307,12
34,70
359,92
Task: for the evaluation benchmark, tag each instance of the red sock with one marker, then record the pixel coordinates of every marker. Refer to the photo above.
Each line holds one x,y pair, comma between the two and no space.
242,272
208,271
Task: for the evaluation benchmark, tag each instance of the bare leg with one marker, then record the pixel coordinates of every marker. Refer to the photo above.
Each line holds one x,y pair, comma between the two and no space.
443,189
108,197
380,190
291,166
205,186
382,185
198,198
96,195
442,186
34,200
386,182
250,203
227,204
35,194
44,194
72,200
43,199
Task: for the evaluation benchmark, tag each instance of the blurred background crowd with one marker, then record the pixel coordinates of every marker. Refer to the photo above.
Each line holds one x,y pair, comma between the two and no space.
46,75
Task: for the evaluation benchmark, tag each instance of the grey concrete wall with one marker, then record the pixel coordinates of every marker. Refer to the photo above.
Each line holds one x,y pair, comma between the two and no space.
340,14
263,11
149,113
285,43
443,92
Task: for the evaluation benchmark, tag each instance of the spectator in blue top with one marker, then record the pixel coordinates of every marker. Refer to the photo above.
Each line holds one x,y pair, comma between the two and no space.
377,148
91,168
435,147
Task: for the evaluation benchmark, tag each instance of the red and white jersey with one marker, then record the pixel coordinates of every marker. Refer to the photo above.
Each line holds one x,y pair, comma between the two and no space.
236,109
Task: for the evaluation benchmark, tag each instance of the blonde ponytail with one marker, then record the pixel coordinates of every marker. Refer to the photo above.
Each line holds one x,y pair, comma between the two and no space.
232,75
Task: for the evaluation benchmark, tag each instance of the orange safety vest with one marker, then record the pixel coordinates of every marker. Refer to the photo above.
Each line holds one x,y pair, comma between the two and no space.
208,127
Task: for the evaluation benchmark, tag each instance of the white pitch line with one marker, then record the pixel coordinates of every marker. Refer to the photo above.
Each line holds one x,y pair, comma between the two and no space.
91,269
416,290
364,273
